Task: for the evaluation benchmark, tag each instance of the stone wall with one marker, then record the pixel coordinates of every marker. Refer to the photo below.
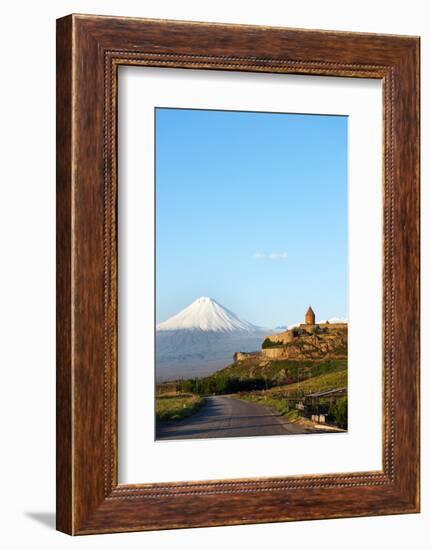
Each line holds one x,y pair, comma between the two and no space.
275,353
284,337
242,355
333,325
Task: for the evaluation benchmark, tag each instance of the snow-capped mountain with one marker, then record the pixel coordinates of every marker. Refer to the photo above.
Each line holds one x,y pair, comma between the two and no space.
201,339
208,315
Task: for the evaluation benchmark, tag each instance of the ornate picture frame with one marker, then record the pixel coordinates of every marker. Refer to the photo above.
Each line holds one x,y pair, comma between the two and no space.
89,51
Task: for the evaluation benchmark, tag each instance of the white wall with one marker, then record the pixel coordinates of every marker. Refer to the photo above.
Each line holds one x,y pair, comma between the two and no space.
27,315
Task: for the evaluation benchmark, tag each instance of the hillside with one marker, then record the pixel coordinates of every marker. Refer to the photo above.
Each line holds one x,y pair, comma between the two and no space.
280,372
328,381
249,375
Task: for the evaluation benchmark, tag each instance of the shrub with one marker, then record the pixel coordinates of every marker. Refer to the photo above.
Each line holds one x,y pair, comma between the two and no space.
267,343
340,413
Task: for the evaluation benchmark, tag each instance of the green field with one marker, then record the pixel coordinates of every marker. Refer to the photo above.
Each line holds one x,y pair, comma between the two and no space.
328,381
176,407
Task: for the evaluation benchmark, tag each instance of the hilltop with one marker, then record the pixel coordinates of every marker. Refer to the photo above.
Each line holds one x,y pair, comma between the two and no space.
317,341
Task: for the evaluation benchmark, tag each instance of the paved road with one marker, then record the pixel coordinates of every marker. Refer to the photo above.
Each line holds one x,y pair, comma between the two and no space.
224,416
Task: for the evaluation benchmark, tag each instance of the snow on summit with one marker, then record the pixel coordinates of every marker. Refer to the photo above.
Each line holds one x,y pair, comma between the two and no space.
207,315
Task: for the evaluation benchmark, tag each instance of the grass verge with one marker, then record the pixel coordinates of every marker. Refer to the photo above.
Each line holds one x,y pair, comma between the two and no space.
177,407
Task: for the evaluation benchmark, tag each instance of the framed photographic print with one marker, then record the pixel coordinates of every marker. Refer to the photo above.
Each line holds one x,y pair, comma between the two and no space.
237,274
264,188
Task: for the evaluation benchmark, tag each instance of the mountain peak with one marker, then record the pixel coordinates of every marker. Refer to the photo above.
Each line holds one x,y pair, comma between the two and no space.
203,300
207,315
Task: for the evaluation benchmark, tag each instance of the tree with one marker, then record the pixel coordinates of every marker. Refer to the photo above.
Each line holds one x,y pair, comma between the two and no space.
266,343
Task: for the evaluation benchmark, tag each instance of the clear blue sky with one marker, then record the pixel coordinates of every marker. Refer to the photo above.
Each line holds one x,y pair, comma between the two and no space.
251,209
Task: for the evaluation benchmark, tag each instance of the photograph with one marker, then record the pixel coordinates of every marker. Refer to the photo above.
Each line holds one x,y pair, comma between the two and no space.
251,272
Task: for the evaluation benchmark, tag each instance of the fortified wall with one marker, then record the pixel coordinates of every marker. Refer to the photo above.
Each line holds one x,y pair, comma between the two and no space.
243,355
